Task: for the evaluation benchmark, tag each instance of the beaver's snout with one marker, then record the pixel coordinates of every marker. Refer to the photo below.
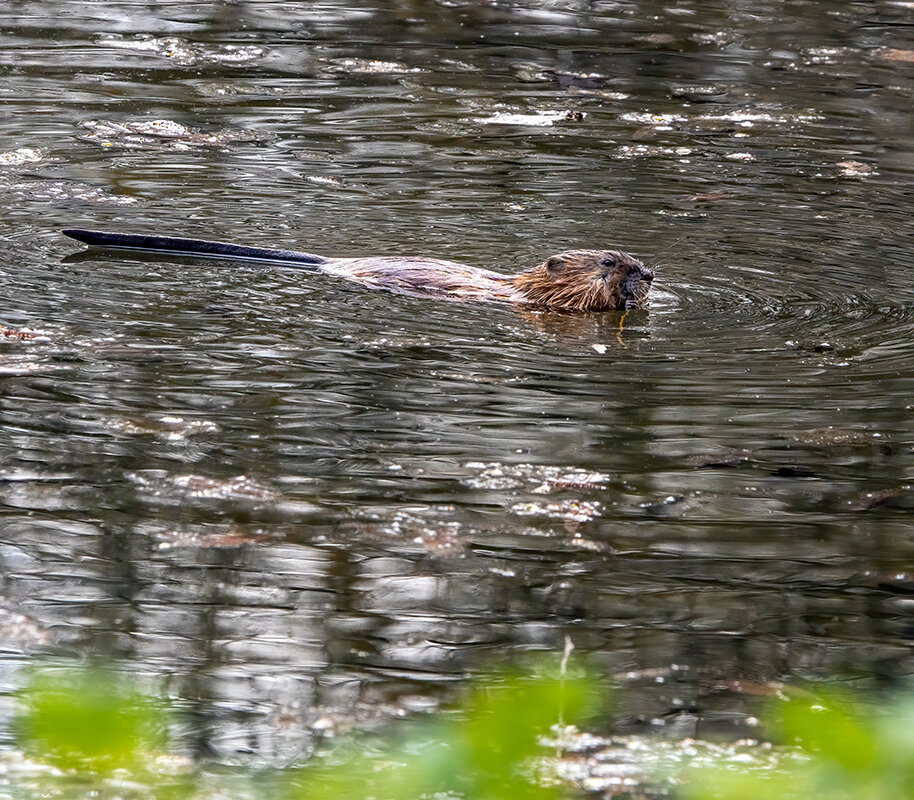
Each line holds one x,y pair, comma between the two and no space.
635,288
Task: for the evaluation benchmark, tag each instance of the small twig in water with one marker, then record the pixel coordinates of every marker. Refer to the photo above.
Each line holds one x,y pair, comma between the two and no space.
563,671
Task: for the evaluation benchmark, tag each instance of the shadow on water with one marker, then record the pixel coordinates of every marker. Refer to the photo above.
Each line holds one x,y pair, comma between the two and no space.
312,506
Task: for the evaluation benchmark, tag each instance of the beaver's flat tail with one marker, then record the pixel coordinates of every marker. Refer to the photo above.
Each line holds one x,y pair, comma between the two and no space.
200,248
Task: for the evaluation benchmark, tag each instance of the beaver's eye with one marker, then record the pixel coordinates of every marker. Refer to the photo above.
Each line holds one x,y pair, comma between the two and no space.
608,262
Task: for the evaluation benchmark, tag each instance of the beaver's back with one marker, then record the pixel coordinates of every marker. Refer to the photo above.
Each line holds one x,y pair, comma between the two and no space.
425,277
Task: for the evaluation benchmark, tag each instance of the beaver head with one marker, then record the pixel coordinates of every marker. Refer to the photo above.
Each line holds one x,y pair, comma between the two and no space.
586,280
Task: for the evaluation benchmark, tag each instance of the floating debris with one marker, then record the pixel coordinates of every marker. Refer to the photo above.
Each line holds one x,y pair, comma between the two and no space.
161,134
828,55
185,53
168,428
641,150
660,121
635,766
576,510
178,487
225,89
21,335
699,93
440,537
326,180
895,54
24,475
606,94
47,191
365,66
719,38
855,169
811,347
837,437
657,39
12,366
727,123
24,155
544,479
725,460
536,119
209,540
443,540
884,497
531,72
387,344
708,197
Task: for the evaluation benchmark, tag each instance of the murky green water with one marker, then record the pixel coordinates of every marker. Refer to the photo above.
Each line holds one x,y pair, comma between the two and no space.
305,503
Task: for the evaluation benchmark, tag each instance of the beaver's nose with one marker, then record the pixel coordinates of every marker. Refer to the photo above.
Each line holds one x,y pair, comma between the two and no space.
647,274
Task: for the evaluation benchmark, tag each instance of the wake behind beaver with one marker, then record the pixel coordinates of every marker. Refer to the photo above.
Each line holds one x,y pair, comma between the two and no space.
576,280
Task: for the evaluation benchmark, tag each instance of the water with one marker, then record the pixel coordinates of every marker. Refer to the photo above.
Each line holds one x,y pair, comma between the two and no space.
309,506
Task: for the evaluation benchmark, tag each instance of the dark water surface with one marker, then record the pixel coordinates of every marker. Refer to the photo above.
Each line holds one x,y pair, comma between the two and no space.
304,503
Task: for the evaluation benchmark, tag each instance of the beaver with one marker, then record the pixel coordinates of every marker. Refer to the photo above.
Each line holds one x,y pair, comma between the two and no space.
576,280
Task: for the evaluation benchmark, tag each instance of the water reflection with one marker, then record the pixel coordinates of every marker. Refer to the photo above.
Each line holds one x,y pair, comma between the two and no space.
311,506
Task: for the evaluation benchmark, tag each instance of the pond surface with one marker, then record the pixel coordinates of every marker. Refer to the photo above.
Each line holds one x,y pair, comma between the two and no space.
308,505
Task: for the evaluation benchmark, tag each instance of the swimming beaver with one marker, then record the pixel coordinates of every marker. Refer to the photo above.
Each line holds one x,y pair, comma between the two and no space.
576,280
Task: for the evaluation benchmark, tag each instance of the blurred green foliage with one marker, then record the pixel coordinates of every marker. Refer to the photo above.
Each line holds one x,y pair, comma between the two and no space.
101,732
483,751
89,720
108,738
847,749
98,729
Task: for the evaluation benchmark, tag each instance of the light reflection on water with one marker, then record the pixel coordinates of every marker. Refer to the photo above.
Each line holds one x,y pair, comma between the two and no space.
309,505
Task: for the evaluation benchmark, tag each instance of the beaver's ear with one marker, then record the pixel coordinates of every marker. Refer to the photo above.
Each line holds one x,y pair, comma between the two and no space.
555,263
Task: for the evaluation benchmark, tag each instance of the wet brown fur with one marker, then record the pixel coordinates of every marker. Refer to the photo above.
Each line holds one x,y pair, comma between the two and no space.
576,280
586,280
